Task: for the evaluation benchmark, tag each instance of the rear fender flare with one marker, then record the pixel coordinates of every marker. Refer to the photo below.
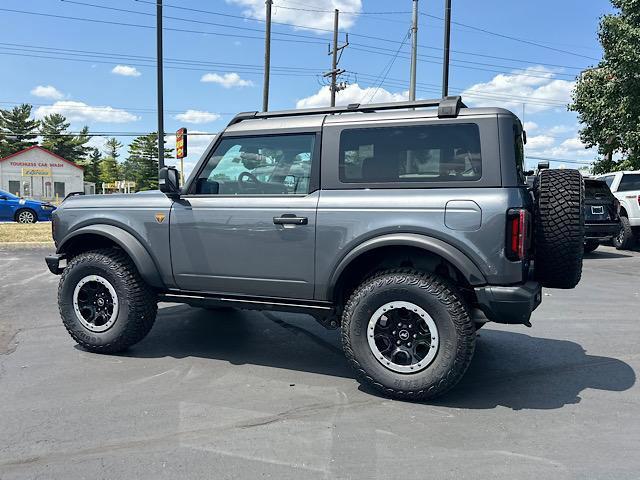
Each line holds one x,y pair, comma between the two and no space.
125,240
458,259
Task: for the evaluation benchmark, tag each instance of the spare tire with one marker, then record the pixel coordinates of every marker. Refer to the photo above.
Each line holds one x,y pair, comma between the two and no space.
559,228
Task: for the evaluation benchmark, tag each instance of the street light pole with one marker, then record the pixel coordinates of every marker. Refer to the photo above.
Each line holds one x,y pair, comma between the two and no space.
447,43
160,84
414,52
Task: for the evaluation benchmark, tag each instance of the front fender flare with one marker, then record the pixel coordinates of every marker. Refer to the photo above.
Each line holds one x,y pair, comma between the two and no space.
125,240
458,259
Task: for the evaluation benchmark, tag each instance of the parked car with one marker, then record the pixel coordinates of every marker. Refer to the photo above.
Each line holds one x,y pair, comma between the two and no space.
626,188
23,210
405,227
601,214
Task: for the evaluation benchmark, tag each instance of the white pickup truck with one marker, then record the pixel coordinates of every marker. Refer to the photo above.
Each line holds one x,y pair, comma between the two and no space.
626,187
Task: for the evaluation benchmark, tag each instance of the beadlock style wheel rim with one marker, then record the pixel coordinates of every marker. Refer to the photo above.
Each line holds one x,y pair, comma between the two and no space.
25,217
95,303
403,337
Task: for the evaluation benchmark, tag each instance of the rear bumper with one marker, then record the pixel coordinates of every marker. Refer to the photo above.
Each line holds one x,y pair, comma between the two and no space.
53,263
513,304
601,231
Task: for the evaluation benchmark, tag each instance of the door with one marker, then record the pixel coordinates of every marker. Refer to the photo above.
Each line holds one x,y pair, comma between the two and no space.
247,227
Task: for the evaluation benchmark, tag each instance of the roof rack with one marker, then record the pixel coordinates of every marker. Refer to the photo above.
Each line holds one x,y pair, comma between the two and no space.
448,107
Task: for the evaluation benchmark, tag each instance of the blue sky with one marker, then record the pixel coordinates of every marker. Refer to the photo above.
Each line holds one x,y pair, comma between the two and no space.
101,72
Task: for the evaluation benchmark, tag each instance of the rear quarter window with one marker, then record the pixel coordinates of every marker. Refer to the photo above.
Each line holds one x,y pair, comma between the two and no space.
630,181
424,153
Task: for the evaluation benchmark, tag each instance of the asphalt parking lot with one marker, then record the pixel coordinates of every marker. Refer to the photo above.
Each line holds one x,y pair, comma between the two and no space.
238,394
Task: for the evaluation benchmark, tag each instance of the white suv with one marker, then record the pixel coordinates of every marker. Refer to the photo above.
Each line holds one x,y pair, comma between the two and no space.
626,187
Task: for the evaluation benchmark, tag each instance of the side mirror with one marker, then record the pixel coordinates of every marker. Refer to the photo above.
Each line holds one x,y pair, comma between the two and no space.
4,197
169,182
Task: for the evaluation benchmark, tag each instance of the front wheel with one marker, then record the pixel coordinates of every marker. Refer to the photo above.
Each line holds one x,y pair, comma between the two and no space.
408,334
26,216
104,303
591,246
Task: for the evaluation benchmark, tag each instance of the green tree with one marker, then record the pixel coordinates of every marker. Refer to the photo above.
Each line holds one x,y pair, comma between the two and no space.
92,167
142,163
17,129
607,97
109,170
57,139
111,146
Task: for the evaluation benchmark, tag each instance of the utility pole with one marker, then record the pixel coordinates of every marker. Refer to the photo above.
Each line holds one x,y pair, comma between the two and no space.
447,43
414,51
267,56
335,59
160,85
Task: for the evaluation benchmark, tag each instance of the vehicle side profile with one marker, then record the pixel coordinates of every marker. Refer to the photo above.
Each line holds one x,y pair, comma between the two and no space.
626,188
405,225
23,210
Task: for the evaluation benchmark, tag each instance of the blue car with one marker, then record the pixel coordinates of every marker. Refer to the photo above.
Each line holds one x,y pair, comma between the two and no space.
23,210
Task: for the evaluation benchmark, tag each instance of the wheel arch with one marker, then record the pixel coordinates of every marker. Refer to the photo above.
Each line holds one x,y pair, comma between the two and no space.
98,236
400,242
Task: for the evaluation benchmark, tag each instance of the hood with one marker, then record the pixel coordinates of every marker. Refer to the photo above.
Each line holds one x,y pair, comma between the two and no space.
150,199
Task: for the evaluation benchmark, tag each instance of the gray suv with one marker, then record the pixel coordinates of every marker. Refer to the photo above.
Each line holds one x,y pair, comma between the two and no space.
405,225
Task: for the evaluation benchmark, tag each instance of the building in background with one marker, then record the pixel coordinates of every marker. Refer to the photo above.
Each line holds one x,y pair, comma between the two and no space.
37,173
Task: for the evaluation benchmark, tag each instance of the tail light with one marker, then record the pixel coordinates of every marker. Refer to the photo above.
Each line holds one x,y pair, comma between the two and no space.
518,238
638,200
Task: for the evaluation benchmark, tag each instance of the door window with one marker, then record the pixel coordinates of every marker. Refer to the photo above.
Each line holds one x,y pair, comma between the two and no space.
630,181
261,165
14,187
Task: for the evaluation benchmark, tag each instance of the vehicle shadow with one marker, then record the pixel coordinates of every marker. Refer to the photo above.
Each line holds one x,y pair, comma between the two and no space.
520,371
512,370
602,255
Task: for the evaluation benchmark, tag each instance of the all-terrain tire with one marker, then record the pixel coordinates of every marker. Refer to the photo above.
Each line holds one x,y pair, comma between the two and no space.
559,227
137,302
625,239
591,246
442,303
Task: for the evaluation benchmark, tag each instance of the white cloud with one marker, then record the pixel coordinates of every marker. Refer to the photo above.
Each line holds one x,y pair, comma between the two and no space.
227,80
47,91
197,116
81,112
126,71
316,14
535,86
352,94
540,141
530,126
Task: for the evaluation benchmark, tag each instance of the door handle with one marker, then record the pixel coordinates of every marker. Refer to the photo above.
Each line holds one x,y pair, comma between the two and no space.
290,219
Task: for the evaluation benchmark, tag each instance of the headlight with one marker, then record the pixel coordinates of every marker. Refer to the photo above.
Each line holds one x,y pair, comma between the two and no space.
47,207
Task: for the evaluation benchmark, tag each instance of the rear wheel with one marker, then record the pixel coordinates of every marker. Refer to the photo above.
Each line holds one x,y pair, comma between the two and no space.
26,216
559,227
625,239
591,246
104,303
408,334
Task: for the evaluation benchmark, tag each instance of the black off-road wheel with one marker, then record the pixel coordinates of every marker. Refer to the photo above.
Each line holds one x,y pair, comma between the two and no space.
591,246
625,239
104,303
559,228
408,334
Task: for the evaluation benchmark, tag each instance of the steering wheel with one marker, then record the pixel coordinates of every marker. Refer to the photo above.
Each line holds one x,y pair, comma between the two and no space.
245,185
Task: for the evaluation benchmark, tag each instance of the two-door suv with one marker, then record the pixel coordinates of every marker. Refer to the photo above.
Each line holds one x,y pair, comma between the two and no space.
406,225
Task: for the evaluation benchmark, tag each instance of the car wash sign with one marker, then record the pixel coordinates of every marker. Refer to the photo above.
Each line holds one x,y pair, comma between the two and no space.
36,172
181,143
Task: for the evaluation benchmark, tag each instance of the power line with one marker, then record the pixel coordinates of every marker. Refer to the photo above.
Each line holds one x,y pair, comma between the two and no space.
387,69
515,39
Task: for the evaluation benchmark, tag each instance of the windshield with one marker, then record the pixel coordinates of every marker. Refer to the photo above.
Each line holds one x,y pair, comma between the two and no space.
8,195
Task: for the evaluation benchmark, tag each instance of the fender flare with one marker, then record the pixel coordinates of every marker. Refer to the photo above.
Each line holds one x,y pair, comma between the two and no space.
125,240
453,255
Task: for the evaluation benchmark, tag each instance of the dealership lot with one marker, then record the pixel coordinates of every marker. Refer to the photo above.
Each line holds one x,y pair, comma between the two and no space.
234,394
